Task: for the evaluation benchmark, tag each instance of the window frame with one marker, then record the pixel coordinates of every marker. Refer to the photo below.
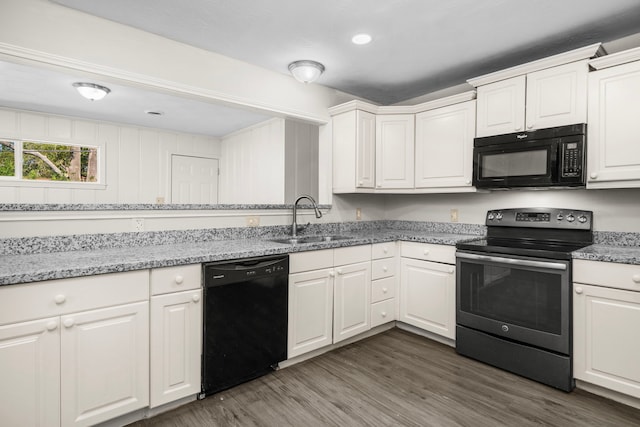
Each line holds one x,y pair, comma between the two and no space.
18,181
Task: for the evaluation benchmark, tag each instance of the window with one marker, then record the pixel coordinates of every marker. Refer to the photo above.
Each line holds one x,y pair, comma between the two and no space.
47,161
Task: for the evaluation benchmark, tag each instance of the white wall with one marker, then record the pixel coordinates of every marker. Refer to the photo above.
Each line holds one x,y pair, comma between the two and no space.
614,210
137,161
252,165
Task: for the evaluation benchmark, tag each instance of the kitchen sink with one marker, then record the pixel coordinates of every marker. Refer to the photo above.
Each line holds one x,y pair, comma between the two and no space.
310,239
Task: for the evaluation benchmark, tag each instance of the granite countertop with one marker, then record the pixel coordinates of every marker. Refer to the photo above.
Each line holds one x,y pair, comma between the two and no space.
25,268
608,253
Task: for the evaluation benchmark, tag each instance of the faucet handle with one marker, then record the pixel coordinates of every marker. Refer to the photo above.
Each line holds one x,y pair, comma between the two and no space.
302,227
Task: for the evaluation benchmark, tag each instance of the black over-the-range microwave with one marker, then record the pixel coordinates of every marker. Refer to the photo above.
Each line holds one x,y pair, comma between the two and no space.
553,157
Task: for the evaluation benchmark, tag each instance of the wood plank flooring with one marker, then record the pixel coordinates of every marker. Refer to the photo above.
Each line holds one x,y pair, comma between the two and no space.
396,379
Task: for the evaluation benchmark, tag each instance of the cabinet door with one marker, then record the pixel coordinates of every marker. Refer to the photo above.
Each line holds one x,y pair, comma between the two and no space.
427,296
105,363
394,151
444,146
557,96
613,156
310,311
352,300
501,107
365,149
30,372
176,346
606,341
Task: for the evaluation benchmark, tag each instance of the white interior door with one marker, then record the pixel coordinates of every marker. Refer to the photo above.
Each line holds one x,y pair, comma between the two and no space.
194,180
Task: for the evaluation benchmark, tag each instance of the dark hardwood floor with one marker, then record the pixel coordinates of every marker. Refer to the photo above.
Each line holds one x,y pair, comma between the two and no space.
396,379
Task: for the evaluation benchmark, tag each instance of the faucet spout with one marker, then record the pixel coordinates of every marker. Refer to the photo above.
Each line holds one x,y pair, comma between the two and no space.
294,225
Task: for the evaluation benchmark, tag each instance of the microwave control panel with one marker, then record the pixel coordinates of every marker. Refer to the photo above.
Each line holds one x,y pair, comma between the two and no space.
571,158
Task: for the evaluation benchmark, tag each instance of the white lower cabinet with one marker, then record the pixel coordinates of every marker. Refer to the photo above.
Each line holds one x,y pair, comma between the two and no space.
74,352
605,315
329,297
176,333
310,311
176,346
30,372
105,363
427,289
351,300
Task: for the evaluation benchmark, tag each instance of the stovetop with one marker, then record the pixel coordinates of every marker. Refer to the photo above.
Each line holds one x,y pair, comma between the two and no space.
535,232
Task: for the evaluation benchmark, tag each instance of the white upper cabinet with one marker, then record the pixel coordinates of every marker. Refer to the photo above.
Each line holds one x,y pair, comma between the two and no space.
545,93
613,157
354,149
501,107
444,146
394,151
557,96
552,97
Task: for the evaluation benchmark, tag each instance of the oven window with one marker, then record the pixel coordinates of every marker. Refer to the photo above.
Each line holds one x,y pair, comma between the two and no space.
527,298
520,163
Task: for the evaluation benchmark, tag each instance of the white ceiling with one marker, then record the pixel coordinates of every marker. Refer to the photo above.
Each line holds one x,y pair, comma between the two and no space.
419,46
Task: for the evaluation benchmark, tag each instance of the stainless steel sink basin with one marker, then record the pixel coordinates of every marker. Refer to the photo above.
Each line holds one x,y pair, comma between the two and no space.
309,239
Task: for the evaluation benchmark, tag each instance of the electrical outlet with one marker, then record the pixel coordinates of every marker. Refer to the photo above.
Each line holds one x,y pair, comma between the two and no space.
358,214
253,221
454,215
160,200
138,224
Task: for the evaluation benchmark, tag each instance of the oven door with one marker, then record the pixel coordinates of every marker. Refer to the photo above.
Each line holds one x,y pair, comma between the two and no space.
519,298
516,164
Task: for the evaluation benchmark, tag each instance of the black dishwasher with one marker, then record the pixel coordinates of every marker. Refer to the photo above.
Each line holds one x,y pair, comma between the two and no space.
245,320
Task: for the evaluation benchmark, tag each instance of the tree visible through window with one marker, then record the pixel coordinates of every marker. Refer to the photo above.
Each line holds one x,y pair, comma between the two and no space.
49,162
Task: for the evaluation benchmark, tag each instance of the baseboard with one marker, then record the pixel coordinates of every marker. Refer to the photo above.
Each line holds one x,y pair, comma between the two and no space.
147,412
609,394
426,334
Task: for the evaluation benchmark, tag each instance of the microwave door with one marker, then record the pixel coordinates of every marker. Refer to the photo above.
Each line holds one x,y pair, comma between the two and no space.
524,165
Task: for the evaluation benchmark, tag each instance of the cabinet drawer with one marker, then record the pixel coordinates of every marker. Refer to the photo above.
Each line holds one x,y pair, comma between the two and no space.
351,255
610,274
383,250
63,296
428,252
383,289
175,279
383,312
312,260
382,268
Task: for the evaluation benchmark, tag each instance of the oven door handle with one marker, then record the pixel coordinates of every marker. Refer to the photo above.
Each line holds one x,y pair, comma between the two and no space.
514,261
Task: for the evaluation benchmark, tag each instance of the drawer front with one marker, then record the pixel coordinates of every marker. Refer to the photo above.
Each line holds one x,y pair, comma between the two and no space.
428,252
383,312
351,255
610,274
56,297
311,260
382,268
383,250
383,289
175,279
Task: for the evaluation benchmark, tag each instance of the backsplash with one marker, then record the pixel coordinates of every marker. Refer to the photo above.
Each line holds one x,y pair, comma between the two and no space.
78,242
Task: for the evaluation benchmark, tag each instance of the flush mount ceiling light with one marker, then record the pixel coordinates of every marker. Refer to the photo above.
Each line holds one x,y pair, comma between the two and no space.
361,39
306,71
92,91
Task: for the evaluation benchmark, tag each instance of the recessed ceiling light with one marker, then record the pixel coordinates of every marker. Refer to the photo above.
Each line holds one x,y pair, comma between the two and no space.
361,39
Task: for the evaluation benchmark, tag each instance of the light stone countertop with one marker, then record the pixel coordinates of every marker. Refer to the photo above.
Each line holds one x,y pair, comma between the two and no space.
25,268
608,253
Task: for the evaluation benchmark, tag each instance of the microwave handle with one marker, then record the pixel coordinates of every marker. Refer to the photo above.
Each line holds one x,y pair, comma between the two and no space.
513,261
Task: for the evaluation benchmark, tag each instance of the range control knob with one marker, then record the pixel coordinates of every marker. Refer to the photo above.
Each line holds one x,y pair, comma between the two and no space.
560,217
571,218
582,219
491,216
499,216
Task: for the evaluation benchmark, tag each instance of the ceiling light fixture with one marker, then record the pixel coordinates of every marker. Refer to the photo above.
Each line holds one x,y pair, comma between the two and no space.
361,39
92,91
306,71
